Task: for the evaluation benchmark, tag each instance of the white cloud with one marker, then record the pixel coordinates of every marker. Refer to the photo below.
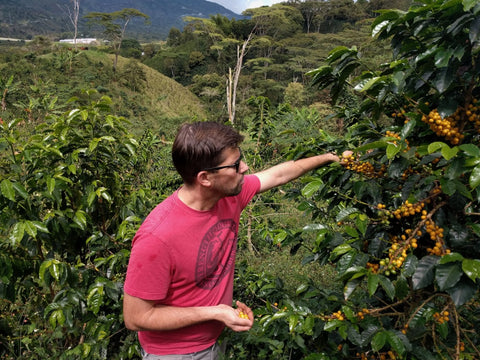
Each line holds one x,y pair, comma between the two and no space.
239,6
260,3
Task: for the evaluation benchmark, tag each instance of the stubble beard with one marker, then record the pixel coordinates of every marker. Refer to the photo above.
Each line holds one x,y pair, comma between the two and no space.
236,190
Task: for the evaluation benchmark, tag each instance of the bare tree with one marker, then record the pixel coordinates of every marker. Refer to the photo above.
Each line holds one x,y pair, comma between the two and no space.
221,42
73,14
74,19
233,77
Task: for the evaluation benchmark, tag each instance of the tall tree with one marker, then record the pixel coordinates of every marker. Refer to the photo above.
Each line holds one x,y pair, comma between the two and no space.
114,25
309,10
278,21
73,14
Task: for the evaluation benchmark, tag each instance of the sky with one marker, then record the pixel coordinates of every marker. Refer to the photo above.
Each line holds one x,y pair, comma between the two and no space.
238,6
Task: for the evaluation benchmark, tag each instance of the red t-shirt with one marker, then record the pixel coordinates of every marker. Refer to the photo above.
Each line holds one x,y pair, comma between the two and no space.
184,257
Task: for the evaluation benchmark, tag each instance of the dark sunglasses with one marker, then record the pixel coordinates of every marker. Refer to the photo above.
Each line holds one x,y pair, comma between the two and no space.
235,165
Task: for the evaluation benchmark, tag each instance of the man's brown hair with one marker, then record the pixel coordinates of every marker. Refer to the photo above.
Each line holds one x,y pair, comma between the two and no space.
199,145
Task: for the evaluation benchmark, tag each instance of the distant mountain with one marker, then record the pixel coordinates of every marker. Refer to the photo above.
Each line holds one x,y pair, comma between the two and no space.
25,19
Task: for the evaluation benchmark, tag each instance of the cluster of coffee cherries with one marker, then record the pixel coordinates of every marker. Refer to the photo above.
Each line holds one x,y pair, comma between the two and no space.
373,267
408,209
338,315
400,245
362,167
408,241
408,172
441,317
393,134
397,253
378,356
242,315
436,235
361,314
401,115
473,114
448,127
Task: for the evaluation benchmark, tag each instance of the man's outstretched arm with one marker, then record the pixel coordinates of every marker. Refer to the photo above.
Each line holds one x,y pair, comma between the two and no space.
285,172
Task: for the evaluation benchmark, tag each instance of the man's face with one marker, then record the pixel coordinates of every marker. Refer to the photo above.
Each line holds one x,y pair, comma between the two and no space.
227,179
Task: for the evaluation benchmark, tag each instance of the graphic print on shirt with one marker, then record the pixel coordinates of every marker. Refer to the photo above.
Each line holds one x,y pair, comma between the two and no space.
216,255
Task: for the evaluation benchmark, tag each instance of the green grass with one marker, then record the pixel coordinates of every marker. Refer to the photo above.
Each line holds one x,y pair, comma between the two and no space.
278,261
160,105
290,269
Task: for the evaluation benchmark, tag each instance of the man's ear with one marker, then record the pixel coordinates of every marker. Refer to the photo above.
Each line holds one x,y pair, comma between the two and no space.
203,178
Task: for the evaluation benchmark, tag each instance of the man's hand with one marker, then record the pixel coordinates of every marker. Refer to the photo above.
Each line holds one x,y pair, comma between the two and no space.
345,154
234,319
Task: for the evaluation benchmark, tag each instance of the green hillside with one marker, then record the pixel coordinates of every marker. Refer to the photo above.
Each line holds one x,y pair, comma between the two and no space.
163,100
145,97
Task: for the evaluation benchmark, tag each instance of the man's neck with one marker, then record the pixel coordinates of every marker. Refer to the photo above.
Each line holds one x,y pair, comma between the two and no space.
197,199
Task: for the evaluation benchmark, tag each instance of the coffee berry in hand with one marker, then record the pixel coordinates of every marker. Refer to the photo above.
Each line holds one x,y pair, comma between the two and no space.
243,315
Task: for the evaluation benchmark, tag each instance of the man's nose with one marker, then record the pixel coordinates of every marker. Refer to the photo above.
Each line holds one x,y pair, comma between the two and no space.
243,167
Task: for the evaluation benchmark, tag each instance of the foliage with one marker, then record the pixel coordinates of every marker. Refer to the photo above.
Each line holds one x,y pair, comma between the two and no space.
133,76
295,94
406,231
71,198
131,48
277,54
149,99
115,25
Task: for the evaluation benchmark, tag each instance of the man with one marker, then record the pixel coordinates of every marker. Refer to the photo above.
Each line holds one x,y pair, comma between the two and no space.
179,283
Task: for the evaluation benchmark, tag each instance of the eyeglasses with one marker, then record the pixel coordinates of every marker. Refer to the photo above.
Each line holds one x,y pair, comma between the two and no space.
235,165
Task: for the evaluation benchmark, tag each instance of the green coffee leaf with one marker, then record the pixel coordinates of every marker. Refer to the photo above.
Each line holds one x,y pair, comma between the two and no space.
80,219
7,189
395,342
447,275
311,188
387,285
17,233
462,292
372,283
425,272
471,267
20,189
379,341
56,317
474,179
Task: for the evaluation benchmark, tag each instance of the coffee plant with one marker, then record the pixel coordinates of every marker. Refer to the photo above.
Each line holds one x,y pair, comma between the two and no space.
406,231
71,198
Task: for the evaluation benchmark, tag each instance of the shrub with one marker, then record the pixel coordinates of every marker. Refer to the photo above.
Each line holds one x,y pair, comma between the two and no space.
70,203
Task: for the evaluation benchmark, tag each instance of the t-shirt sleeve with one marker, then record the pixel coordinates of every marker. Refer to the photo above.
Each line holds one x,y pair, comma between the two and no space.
149,269
250,188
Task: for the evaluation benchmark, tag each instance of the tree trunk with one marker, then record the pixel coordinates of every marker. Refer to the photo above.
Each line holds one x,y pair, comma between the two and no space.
76,12
232,81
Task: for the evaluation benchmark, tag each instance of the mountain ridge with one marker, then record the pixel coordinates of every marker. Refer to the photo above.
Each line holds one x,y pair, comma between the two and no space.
26,19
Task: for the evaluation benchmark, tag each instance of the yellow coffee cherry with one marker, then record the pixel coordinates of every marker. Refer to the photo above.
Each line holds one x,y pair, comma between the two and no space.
243,315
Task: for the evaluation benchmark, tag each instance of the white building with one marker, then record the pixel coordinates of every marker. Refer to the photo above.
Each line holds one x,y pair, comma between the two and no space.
79,41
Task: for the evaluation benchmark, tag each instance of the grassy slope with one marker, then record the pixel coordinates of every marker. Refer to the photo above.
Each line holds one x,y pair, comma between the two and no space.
167,101
161,105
